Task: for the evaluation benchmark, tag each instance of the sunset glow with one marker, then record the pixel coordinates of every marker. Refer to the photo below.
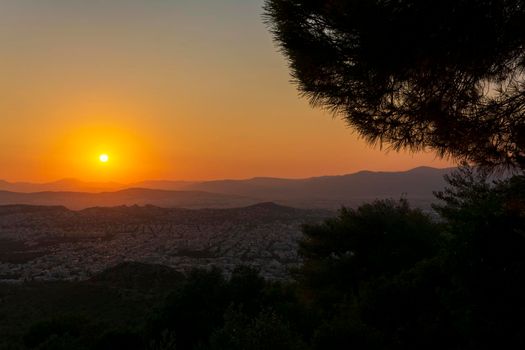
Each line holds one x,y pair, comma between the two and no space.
137,82
103,158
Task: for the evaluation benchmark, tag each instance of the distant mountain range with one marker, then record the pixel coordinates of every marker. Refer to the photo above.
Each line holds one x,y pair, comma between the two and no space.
74,185
132,196
331,192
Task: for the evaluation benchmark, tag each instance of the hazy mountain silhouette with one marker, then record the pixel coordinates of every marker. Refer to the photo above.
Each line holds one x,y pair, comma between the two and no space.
416,185
333,191
164,185
416,182
139,196
69,185
75,185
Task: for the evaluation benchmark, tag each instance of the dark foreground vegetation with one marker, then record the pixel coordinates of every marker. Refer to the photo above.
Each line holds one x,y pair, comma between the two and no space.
383,276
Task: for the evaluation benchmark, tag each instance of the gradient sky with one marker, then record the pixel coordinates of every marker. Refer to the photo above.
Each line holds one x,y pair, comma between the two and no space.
170,89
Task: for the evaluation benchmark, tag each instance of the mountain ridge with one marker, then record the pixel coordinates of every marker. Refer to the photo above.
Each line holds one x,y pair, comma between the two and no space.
94,186
330,192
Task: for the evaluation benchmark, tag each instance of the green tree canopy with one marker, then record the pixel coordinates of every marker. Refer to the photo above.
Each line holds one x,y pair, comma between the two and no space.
445,74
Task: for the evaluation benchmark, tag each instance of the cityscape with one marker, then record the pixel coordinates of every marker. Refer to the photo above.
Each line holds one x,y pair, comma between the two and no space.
54,243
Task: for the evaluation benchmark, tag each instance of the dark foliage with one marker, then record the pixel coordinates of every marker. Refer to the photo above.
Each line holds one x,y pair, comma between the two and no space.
57,333
194,309
446,74
265,331
371,274
485,257
378,239
242,312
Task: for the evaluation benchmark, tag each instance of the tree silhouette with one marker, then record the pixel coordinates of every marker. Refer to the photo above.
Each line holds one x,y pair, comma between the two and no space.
382,238
484,257
444,74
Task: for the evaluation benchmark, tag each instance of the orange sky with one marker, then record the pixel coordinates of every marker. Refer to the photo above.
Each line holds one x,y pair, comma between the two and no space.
168,89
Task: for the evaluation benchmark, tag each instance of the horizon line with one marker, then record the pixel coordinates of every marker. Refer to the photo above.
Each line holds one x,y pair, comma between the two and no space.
217,179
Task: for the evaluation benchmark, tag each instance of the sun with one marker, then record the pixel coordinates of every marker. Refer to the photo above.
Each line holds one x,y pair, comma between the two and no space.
103,158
